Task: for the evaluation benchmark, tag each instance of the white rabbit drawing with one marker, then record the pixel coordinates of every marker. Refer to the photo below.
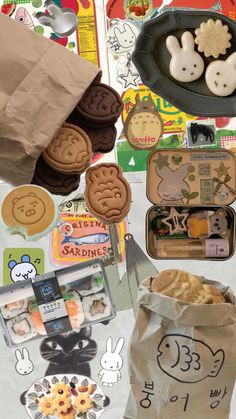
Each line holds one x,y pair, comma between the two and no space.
24,365
126,38
111,363
221,76
186,65
172,183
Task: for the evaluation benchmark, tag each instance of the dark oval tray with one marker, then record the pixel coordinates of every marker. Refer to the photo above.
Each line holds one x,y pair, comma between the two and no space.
152,59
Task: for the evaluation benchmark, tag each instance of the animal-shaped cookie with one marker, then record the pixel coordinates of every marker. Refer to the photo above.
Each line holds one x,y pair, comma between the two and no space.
63,21
70,151
172,183
221,76
143,126
30,211
186,64
107,193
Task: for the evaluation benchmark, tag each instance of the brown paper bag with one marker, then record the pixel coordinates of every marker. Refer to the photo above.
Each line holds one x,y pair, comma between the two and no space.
40,84
182,358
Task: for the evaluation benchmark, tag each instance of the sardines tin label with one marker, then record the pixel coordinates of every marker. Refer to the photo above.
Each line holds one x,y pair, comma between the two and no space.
80,238
51,306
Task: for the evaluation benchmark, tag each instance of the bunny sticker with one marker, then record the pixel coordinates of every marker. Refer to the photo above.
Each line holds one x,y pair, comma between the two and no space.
173,184
186,65
121,37
111,363
24,365
221,76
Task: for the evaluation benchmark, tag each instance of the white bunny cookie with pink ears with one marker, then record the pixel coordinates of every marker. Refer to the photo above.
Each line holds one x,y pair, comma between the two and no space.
186,65
221,76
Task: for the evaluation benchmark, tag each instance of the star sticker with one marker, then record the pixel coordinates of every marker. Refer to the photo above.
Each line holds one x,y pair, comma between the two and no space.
222,170
130,79
161,161
175,221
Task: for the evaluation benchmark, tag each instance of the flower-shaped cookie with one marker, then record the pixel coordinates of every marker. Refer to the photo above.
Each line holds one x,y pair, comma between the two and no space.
83,402
70,414
46,406
62,404
213,38
61,390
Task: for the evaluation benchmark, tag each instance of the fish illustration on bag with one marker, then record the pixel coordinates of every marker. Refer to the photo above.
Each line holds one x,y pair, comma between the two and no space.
22,16
90,239
188,360
74,206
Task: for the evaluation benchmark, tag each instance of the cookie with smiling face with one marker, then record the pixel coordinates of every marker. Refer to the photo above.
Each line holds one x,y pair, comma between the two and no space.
28,210
107,193
70,151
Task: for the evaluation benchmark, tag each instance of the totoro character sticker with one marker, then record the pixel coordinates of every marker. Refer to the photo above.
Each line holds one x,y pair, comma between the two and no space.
188,360
143,126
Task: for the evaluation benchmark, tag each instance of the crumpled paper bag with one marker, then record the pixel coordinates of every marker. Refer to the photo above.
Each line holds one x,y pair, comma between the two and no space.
40,84
182,358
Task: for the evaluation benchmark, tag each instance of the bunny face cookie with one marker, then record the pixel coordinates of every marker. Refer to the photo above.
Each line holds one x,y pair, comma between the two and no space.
221,76
186,64
107,193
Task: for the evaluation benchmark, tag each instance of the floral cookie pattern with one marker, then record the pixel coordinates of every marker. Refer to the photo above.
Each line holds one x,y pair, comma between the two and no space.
70,151
28,210
107,193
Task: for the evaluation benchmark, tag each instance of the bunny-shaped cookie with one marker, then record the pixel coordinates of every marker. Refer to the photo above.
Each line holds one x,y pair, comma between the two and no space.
125,38
24,365
111,363
186,64
172,183
63,21
221,76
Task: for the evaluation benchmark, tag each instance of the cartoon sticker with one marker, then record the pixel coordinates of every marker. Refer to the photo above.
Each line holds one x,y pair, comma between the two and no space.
21,264
121,37
24,365
178,357
143,126
111,363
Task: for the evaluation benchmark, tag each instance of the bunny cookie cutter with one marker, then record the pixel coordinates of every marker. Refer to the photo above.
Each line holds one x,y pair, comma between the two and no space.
63,21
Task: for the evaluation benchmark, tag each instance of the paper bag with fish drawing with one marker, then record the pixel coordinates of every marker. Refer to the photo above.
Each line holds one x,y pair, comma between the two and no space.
40,84
182,358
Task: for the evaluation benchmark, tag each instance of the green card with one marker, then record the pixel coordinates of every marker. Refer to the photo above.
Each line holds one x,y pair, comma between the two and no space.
22,263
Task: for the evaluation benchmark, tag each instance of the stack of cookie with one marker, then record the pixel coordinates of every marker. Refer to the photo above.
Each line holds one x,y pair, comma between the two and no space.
186,287
97,113
89,129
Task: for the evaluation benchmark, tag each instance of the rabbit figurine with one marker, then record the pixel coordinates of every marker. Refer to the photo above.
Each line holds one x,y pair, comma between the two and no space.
186,64
221,76
111,363
24,365
172,184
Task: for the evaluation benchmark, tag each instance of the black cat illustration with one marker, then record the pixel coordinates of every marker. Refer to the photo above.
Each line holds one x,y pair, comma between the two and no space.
200,129
69,354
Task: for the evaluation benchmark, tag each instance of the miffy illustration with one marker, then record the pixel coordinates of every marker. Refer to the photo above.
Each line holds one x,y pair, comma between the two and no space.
63,21
111,363
186,64
24,365
221,76
173,184
126,37
23,270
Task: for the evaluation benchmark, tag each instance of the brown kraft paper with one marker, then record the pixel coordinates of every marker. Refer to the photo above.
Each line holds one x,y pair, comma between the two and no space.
182,358
40,84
